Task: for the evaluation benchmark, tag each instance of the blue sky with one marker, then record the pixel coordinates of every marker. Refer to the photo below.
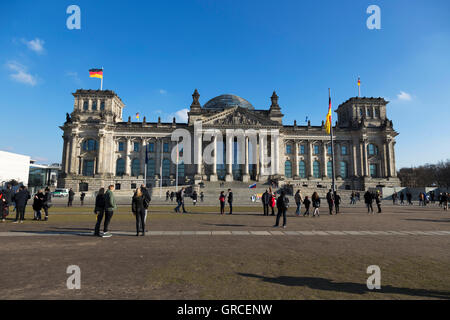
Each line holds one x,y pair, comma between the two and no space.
155,53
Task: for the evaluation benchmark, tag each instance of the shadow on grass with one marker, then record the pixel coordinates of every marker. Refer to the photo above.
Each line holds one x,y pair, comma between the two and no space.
346,287
429,220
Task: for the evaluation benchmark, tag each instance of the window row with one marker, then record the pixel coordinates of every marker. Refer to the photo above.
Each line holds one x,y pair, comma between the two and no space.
369,112
137,146
316,149
93,105
151,168
302,170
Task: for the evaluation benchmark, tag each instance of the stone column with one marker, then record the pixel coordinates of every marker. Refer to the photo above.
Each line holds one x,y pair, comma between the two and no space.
159,150
295,174
393,170
127,158
384,163
199,163
276,154
246,176
262,149
65,158
213,176
324,160
73,154
100,154
310,159
229,158
366,160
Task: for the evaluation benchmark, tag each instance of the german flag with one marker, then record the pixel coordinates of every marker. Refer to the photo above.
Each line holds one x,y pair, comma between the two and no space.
96,73
328,122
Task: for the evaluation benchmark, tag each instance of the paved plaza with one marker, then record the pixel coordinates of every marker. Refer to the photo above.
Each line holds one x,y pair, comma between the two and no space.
203,255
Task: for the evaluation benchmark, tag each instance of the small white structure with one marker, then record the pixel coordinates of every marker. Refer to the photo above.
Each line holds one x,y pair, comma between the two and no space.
14,166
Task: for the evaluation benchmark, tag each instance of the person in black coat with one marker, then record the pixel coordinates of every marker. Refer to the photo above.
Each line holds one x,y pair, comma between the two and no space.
282,206
71,196
230,200
3,206
137,206
47,202
99,210
378,200
82,196
316,204
330,201
306,203
368,199
337,202
38,203
265,202
147,200
21,198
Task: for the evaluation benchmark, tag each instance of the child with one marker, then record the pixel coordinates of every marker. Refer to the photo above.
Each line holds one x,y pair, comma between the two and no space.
222,202
306,203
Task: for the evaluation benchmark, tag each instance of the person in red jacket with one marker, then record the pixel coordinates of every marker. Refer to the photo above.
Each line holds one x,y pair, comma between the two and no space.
222,202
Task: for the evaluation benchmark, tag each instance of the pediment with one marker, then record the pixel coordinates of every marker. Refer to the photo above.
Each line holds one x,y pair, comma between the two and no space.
238,117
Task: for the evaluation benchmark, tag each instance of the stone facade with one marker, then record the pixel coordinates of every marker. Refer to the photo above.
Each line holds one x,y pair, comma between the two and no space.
101,149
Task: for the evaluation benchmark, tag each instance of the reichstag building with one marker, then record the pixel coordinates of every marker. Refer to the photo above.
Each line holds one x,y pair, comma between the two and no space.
100,148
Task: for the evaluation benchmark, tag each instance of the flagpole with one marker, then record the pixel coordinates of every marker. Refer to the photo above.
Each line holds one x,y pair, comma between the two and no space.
145,166
359,87
333,184
101,81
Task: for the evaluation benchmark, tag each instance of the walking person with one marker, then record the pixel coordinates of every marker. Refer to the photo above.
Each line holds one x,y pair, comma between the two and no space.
353,198
265,202
445,200
330,202
71,196
180,201
298,201
282,206
99,210
368,199
138,209
147,200
337,202
21,198
8,195
82,195
230,200
316,203
172,195
167,195
47,202
402,197
307,204
202,196
378,200
38,202
222,202
194,197
110,206
409,198
3,206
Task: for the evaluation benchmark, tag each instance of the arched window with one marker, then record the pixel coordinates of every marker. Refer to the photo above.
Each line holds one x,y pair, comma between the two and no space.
85,105
372,150
343,169
288,169
135,167
90,145
316,169
120,167
329,169
102,105
302,169
151,168
94,105
181,170
166,168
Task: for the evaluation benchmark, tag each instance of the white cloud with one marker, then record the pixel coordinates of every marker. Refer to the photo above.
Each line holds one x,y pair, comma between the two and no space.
403,96
20,73
162,91
74,76
182,115
37,45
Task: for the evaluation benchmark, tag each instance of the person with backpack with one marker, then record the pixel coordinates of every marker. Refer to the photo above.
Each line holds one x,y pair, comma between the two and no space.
147,200
82,196
307,204
222,202
110,207
330,201
99,210
230,200
194,198
47,202
137,207
316,204
282,206
378,200
337,202
265,202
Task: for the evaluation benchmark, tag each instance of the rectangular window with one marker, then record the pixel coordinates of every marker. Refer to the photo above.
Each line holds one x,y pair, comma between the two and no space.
288,149
121,146
373,170
316,149
302,149
344,150
94,105
102,105
329,150
136,147
85,105
88,167
151,147
166,147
